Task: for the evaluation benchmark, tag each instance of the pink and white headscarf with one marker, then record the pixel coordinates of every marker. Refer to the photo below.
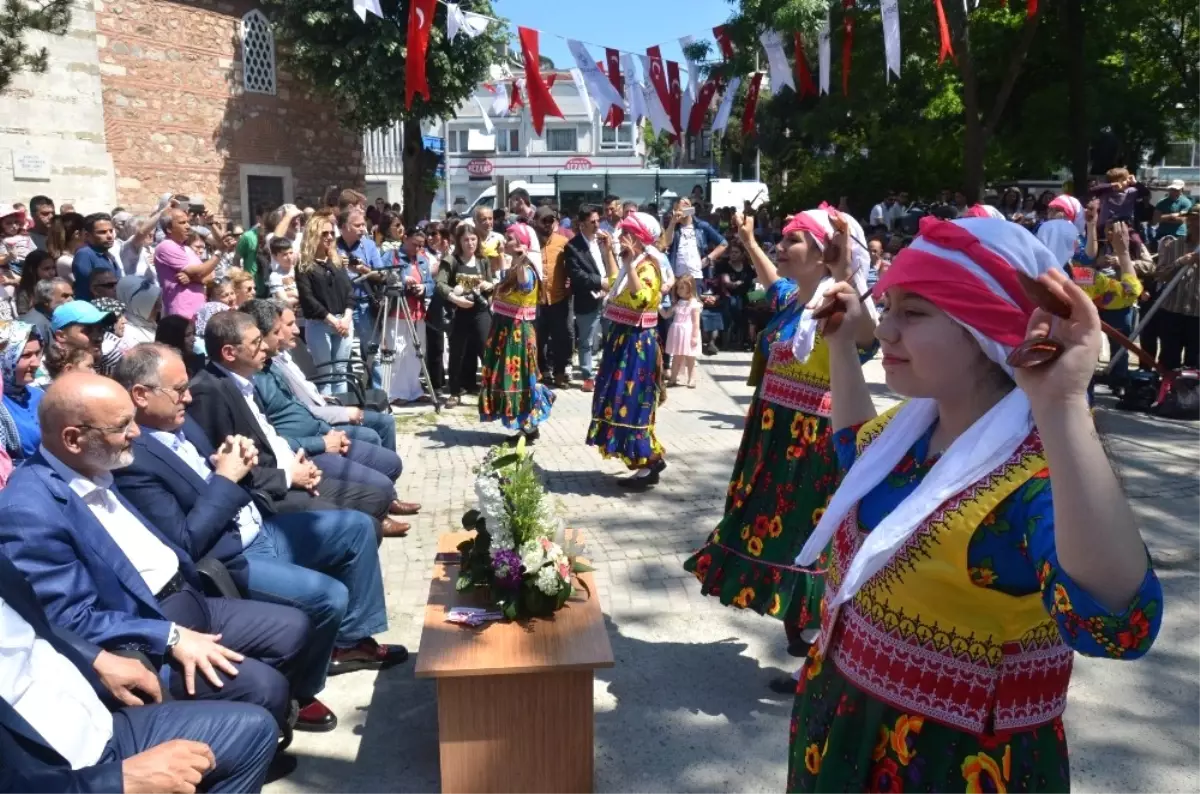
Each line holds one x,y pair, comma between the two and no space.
983,211
1072,209
646,229
967,268
525,237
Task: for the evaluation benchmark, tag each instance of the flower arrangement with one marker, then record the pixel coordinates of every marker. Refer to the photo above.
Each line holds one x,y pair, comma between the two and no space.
520,550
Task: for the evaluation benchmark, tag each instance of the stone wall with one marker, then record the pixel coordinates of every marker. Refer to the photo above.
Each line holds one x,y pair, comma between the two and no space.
58,117
178,120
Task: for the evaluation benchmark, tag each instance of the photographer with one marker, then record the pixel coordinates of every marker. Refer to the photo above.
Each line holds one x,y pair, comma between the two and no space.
412,282
462,282
362,257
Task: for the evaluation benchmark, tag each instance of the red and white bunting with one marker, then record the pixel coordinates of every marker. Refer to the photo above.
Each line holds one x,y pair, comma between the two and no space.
751,105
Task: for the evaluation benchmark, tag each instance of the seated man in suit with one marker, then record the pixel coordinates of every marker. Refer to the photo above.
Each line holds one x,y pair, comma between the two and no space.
359,424
63,728
224,404
325,562
105,573
332,450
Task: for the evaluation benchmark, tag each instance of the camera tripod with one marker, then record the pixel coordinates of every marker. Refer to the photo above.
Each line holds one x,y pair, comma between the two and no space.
385,331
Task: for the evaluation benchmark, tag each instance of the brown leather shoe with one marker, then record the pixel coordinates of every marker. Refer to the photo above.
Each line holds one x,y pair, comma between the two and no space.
404,508
316,717
394,529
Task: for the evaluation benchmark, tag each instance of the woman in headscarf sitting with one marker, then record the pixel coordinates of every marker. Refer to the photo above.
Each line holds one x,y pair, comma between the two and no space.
511,392
143,307
978,539
784,472
629,381
19,363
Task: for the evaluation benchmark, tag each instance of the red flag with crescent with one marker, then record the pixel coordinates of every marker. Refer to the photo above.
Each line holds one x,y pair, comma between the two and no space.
751,105
420,22
615,115
658,78
675,109
721,33
541,103
847,43
700,108
804,79
947,48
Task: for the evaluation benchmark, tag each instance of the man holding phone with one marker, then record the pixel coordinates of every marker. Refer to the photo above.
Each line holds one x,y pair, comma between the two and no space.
693,244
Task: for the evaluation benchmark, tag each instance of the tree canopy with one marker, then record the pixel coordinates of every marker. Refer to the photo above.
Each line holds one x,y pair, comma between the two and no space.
17,17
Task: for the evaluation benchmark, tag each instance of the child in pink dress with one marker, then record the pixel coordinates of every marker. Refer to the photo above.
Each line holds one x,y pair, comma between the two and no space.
683,340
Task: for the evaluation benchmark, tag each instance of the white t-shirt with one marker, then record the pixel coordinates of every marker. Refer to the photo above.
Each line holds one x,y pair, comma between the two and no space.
687,253
278,281
136,261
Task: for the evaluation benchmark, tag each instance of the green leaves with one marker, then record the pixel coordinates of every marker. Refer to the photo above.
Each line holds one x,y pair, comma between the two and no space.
18,17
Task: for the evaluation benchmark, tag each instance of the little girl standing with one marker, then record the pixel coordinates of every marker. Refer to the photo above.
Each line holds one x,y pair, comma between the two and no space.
683,340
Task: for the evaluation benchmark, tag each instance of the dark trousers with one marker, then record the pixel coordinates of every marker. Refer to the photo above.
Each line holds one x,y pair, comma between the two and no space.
554,338
270,636
1121,320
242,738
664,328
468,340
1180,339
435,352
346,469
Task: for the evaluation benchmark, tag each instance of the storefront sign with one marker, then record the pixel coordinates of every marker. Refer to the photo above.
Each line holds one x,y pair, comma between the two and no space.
30,165
479,167
577,164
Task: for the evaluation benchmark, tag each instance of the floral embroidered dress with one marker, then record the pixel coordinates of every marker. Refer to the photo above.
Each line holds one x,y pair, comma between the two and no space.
510,391
914,685
783,476
628,380
1108,290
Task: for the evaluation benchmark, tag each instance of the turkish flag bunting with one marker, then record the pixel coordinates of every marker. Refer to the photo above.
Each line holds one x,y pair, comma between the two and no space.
700,108
721,32
804,80
616,115
675,109
420,22
1031,8
658,78
847,43
551,79
751,105
541,104
515,99
943,34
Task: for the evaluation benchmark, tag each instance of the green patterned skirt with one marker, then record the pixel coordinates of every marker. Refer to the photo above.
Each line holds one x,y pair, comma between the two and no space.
510,390
783,477
843,739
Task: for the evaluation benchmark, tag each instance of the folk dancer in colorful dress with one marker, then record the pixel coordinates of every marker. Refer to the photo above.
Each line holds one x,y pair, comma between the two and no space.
629,381
785,472
962,575
511,392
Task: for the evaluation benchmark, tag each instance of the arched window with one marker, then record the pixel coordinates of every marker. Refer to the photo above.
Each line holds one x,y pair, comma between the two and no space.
258,54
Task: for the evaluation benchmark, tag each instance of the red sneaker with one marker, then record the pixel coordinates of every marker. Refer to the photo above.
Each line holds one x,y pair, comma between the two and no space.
588,385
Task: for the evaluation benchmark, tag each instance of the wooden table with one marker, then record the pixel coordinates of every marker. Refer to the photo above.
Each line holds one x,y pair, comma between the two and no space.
514,699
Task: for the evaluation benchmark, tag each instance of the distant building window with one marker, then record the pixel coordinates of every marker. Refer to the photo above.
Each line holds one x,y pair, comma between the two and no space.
258,54
619,138
456,141
509,141
562,140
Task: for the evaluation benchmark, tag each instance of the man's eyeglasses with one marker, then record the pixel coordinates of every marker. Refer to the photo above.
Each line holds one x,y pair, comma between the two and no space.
177,391
113,430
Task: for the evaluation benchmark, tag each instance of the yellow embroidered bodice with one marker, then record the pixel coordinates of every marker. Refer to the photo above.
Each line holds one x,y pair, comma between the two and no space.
647,298
518,297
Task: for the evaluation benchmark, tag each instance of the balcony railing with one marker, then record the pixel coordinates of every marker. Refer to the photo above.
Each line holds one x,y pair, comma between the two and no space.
383,150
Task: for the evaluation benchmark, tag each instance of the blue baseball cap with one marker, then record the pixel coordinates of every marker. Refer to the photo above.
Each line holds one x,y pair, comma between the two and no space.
76,313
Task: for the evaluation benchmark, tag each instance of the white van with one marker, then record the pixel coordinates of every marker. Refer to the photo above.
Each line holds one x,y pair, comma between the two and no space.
537,192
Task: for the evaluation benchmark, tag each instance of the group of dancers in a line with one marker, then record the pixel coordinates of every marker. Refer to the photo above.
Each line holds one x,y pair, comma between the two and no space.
933,574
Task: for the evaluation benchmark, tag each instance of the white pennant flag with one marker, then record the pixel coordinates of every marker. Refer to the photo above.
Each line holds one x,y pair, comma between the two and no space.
891,37
465,21
721,120
500,104
693,69
777,61
601,87
659,119
633,88
519,87
823,56
581,87
362,7
487,121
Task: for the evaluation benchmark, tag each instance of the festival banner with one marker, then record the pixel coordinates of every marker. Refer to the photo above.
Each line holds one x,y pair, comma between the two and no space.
420,23
721,34
700,107
638,109
541,104
601,89
363,7
823,55
675,109
751,104
777,63
847,43
721,120
890,10
947,48
616,114
459,21
803,75
658,77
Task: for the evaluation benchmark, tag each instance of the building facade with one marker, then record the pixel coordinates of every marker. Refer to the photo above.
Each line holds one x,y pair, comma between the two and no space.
146,97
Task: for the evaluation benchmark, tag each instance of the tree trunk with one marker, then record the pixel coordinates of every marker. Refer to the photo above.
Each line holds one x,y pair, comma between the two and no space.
974,132
418,172
1077,112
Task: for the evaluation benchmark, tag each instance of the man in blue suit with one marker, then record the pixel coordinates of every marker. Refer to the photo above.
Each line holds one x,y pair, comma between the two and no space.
325,562
62,727
105,573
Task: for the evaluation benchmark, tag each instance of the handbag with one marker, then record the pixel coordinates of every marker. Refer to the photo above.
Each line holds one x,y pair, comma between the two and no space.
1179,395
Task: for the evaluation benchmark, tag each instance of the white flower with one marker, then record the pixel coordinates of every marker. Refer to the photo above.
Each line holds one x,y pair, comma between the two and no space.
548,581
533,557
494,510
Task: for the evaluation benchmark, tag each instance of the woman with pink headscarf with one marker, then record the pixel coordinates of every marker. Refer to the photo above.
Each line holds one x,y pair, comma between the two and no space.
784,472
510,391
629,381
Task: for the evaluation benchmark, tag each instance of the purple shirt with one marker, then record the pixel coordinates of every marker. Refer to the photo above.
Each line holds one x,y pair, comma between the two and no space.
170,258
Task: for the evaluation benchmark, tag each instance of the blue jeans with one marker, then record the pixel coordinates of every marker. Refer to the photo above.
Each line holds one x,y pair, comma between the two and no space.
1121,320
382,426
365,464
326,346
242,738
364,329
585,345
326,564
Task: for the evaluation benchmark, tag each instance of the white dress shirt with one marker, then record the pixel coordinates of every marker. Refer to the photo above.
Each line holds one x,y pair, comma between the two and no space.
152,558
249,520
50,693
279,445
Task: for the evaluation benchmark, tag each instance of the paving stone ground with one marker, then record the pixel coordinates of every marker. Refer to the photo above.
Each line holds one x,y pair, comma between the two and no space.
686,707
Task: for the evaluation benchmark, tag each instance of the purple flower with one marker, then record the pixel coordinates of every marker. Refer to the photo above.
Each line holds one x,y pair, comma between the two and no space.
506,565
